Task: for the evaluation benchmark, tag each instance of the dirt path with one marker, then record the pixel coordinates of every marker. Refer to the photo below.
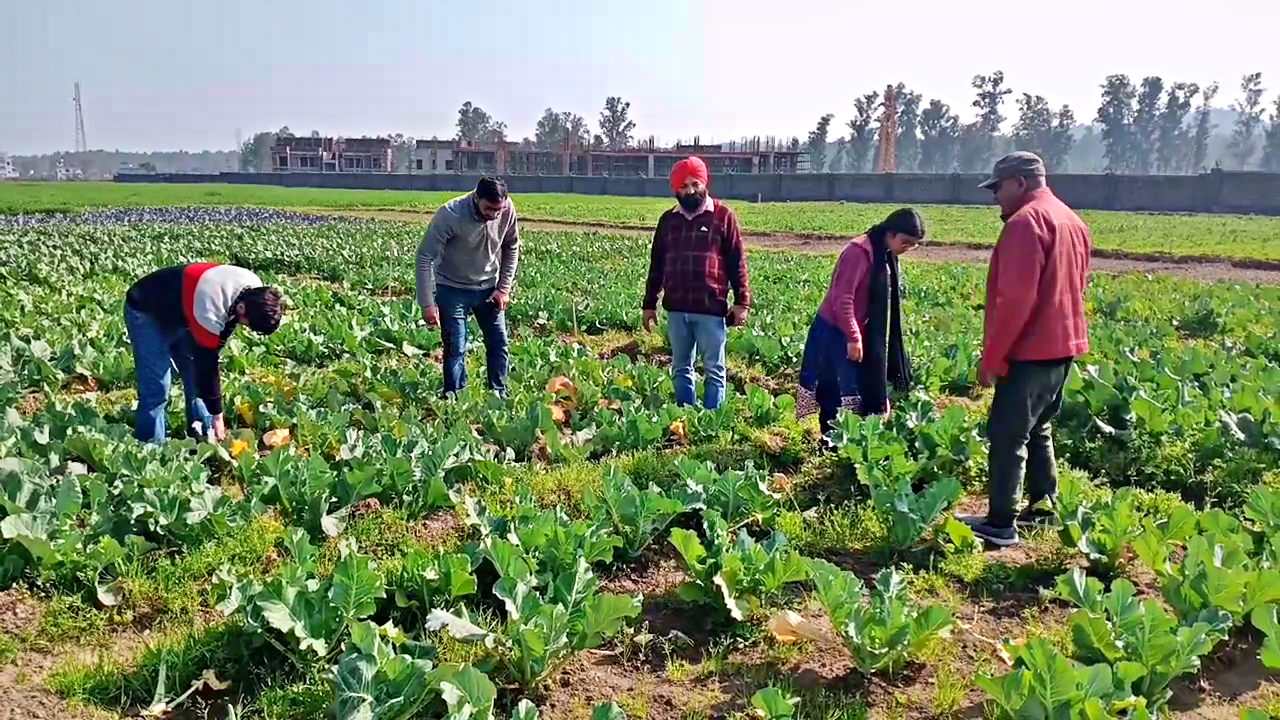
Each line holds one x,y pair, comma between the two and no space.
1107,261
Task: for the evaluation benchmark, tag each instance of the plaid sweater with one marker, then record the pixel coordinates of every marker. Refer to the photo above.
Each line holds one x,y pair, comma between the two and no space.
695,261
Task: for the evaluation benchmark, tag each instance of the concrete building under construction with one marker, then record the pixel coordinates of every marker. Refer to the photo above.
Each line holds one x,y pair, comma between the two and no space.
331,154
648,160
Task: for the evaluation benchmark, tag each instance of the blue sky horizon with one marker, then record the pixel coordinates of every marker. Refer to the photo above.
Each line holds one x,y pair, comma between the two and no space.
158,75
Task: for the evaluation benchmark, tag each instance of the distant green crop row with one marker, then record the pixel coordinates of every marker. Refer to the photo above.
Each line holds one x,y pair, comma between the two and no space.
1230,236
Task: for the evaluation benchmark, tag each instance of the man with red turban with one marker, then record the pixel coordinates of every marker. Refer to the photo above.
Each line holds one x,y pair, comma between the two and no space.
697,256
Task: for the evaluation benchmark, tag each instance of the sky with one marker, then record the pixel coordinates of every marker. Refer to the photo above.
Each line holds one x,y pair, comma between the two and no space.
189,74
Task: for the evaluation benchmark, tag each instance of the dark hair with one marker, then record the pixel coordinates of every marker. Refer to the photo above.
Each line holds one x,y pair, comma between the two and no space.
903,220
263,308
492,189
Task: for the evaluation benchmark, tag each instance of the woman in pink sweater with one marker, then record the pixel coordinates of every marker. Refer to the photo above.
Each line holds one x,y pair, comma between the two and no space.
854,352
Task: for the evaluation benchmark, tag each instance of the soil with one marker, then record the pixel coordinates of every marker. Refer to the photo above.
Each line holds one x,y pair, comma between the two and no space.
437,530
1210,269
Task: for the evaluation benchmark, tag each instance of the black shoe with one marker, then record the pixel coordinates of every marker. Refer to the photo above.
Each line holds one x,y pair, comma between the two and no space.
1037,516
998,536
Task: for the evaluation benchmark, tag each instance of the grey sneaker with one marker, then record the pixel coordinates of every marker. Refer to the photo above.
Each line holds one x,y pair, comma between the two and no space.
998,536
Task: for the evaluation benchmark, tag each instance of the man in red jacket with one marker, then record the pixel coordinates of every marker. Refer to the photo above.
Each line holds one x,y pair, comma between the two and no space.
1034,327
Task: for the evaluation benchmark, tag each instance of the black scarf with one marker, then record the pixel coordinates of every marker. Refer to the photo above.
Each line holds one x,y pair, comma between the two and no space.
884,357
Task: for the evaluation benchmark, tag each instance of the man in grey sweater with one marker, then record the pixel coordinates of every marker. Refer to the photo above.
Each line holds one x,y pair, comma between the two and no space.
467,264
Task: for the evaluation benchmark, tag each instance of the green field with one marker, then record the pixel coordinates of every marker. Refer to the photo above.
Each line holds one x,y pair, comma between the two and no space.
585,541
1229,236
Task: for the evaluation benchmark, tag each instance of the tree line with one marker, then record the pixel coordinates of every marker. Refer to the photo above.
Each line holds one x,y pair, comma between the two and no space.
1148,127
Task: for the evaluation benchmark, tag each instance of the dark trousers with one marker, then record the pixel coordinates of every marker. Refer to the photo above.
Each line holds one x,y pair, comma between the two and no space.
1026,401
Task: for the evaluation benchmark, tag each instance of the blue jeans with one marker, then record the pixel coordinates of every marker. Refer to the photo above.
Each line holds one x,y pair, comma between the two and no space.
456,304
156,354
706,333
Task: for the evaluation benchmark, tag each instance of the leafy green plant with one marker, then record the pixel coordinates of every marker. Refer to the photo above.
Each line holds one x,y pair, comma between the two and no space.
297,611
736,573
910,514
428,579
739,496
1047,685
546,624
1102,531
636,516
1218,574
1117,628
382,674
883,628
1266,618
773,704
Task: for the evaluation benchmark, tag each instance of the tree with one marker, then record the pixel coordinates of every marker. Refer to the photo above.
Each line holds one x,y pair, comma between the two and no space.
1271,142
862,135
616,125
1044,132
494,134
255,153
939,134
1062,140
1244,141
1204,129
402,148
475,125
1115,115
839,161
817,145
1173,140
1146,124
561,131
978,139
1035,123
908,129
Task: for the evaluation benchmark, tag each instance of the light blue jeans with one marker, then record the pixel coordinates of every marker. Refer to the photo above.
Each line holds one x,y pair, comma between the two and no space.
706,334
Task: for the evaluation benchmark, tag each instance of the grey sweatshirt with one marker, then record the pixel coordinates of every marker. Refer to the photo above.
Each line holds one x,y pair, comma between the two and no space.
460,249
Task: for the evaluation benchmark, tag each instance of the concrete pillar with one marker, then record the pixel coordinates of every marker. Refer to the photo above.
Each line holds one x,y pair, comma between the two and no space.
650,165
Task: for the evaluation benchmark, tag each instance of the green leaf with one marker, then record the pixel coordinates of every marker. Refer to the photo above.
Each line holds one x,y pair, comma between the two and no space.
605,616
607,711
357,586
525,710
773,704
468,693
690,548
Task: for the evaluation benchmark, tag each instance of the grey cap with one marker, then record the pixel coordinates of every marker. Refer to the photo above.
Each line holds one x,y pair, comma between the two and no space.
1015,164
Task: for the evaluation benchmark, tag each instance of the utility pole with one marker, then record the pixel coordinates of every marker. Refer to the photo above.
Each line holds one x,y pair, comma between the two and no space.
82,145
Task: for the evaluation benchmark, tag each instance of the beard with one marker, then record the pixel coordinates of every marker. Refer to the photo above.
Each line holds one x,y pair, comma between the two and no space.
692,201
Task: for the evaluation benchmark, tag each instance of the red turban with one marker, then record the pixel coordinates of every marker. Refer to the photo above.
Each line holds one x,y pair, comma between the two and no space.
690,167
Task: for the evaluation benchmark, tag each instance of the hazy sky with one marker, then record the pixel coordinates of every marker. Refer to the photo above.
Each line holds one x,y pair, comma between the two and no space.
170,74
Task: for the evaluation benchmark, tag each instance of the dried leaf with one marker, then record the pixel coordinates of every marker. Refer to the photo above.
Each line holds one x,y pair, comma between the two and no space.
559,413
679,431
788,626
210,679
276,438
561,385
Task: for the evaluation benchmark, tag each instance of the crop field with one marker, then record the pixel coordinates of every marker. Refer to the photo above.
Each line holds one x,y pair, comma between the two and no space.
363,548
1225,236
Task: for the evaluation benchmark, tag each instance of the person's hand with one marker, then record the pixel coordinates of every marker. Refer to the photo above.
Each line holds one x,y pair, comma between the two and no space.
985,378
738,315
431,315
854,351
501,299
650,319
219,428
